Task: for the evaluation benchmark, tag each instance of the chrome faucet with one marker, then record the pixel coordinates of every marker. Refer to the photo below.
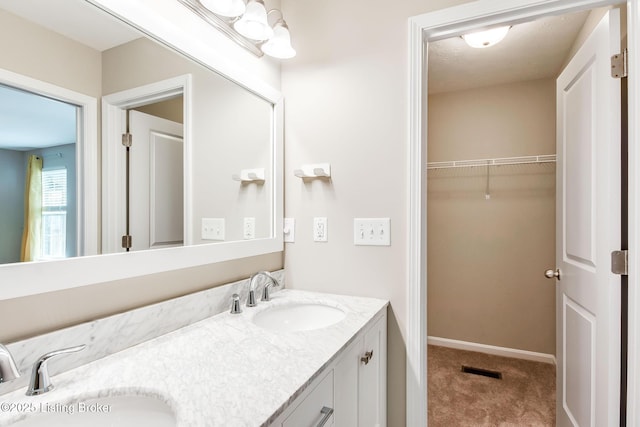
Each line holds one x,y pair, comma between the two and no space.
251,298
8,369
40,380
265,292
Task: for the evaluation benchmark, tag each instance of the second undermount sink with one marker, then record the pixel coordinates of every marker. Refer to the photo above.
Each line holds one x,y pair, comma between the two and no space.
121,411
298,317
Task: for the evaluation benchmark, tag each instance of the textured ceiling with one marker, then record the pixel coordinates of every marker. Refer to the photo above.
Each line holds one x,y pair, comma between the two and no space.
530,51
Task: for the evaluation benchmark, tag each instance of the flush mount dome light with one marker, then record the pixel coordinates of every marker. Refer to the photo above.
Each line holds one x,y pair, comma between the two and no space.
482,39
227,8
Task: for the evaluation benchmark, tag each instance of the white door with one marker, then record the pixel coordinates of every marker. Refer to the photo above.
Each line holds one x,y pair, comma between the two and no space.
588,229
156,184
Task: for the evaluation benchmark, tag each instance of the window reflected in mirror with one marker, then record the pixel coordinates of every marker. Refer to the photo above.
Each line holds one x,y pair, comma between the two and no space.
38,138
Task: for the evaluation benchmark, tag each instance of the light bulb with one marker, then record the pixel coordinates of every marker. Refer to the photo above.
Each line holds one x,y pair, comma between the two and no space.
253,24
279,46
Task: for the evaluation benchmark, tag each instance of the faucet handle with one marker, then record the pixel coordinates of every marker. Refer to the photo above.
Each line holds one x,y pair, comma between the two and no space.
235,304
8,369
265,291
251,298
40,379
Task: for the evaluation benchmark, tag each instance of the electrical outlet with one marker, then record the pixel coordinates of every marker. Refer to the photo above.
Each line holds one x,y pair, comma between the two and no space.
372,231
320,229
249,230
212,229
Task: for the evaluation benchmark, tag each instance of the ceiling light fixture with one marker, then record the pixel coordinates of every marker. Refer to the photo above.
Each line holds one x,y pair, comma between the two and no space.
247,23
487,38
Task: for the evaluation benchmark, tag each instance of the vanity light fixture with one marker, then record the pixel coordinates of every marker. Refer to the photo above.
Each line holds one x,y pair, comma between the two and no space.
253,24
226,8
487,38
279,46
247,23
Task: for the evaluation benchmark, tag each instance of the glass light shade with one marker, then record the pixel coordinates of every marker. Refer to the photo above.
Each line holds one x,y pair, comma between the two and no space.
228,8
279,46
482,39
253,24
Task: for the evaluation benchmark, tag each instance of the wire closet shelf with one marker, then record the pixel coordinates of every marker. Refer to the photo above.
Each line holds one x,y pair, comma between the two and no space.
546,158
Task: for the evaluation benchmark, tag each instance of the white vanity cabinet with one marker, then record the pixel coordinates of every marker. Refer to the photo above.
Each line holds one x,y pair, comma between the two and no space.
360,376
354,385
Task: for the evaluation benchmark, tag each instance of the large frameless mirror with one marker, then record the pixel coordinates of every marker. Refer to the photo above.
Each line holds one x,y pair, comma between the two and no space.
186,156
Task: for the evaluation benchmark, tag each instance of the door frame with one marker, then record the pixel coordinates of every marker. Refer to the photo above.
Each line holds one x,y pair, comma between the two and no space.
86,153
451,22
114,107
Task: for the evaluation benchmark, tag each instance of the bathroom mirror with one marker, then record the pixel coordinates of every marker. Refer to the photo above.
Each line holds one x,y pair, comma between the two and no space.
224,195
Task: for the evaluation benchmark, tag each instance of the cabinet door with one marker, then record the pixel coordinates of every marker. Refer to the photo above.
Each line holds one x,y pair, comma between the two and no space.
346,381
309,412
372,382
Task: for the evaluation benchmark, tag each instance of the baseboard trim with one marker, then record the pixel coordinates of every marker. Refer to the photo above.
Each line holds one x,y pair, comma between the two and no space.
491,349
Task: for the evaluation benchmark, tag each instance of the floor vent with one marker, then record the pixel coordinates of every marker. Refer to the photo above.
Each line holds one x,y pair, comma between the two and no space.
483,372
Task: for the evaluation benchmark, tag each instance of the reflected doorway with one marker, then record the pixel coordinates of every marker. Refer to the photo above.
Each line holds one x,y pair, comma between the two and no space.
33,126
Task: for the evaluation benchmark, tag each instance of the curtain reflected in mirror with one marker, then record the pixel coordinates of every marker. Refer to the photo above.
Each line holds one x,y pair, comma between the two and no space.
32,227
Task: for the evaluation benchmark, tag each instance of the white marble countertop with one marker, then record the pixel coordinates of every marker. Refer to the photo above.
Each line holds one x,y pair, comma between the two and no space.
221,371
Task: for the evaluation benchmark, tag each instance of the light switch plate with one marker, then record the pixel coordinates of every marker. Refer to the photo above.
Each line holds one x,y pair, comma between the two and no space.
289,230
212,229
372,231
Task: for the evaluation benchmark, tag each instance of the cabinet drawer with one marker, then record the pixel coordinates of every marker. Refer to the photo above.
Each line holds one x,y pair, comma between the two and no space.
307,413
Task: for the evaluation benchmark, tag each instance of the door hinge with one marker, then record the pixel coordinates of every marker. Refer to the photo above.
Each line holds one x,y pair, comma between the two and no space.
620,262
127,140
126,241
619,65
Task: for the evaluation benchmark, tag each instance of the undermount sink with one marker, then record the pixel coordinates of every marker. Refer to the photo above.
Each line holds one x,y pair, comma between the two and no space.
121,411
298,317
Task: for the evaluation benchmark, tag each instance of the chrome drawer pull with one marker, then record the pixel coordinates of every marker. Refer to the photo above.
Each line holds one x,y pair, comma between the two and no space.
327,414
367,357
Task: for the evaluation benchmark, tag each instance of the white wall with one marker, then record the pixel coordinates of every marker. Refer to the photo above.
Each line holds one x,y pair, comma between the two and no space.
231,131
347,103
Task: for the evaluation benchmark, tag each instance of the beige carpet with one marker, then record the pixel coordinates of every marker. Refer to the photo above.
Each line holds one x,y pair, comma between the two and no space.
525,396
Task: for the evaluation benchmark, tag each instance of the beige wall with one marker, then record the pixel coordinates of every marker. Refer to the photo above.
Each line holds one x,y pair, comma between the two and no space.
33,51
486,257
347,104
25,317
171,109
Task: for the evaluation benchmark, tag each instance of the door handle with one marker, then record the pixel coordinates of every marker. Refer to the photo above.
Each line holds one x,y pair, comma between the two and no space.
552,274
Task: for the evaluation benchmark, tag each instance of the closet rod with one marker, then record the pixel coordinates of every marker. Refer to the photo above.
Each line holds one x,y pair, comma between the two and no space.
546,158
